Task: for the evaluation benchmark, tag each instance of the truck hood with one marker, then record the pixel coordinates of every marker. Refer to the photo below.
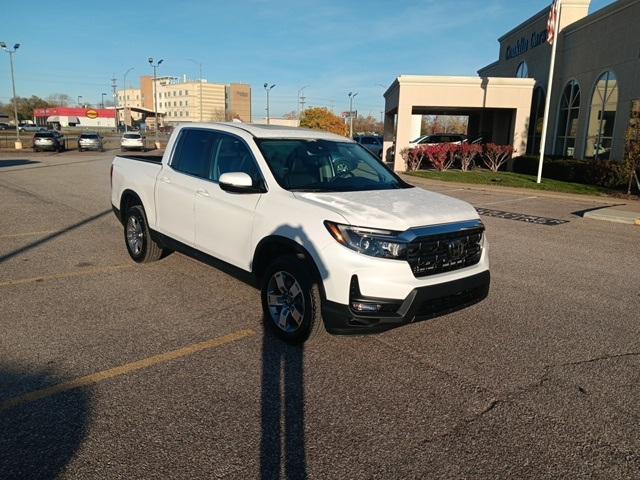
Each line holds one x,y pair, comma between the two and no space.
393,209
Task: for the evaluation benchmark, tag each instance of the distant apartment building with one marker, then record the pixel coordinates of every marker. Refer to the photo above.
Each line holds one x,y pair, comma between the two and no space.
180,100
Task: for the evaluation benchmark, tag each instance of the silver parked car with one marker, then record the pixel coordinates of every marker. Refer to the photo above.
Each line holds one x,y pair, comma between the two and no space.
49,140
90,141
373,143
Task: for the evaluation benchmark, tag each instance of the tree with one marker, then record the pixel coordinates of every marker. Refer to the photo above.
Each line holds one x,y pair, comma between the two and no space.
322,119
632,153
59,100
25,107
367,124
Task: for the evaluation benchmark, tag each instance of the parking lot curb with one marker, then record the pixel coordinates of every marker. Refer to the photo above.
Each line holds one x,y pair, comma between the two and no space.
520,191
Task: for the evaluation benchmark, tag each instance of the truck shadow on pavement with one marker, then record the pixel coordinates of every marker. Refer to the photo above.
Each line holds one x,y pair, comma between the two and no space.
38,438
53,235
15,162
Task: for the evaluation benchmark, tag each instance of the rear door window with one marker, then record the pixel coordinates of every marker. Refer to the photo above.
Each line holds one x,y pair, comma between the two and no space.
194,152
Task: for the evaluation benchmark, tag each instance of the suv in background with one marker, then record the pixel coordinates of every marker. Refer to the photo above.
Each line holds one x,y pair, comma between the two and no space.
90,141
132,141
49,140
454,138
373,143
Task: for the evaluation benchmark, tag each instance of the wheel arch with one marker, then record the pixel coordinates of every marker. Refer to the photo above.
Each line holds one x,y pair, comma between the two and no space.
129,198
275,246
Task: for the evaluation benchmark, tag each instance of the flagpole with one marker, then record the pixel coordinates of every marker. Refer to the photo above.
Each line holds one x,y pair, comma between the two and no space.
547,103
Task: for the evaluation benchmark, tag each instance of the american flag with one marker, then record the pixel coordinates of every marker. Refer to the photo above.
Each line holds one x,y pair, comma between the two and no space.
551,23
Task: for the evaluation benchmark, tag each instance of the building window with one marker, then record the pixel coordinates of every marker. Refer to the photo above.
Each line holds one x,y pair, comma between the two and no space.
186,93
180,92
536,119
186,114
174,103
602,117
186,103
568,120
523,70
174,93
180,102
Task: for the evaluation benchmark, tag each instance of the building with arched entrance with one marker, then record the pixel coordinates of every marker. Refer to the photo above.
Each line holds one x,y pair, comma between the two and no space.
595,89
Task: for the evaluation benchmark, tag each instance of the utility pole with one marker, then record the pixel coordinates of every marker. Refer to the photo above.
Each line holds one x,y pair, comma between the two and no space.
102,99
124,94
155,99
114,88
268,89
351,97
79,97
18,143
301,101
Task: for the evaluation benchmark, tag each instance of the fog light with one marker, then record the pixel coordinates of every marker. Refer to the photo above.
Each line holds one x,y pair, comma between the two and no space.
366,307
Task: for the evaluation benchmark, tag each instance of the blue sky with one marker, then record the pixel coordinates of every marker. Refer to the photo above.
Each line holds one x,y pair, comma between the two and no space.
332,46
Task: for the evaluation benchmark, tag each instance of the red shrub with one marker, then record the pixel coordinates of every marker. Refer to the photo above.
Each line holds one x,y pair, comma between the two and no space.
467,153
496,155
441,155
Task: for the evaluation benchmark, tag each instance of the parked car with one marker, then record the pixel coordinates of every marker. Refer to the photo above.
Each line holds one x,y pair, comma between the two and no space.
48,140
373,143
132,141
32,128
332,235
90,141
456,139
5,126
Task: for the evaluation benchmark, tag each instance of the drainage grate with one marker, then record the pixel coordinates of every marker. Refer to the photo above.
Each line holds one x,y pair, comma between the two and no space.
521,217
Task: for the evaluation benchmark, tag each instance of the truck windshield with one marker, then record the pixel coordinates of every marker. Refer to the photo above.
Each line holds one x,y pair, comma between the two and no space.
314,165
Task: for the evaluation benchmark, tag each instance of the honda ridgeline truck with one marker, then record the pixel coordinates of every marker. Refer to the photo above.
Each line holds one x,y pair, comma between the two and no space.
335,239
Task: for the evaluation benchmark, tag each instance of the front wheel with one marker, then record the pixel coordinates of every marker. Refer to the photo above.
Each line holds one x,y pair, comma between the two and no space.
291,300
141,247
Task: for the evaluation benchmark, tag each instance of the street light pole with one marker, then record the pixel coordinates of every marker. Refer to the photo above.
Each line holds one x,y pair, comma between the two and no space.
18,143
268,89
102,99
124,94
155,99
200,78
79,97
351,97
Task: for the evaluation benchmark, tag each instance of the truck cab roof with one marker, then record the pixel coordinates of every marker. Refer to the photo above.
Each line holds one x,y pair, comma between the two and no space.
271,131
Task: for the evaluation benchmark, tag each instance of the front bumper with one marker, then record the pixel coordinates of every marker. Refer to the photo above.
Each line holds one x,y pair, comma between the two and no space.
422,303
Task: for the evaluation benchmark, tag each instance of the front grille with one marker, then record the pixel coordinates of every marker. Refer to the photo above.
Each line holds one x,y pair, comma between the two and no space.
449,303
445,252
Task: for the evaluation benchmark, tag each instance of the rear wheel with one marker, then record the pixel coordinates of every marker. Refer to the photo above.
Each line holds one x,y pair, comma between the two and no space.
141,247
291,300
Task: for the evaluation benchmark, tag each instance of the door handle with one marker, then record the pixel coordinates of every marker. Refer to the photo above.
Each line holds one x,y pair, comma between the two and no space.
202,193
165,179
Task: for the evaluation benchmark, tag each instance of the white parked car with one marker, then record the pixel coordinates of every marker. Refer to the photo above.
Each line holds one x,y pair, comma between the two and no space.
336,240
453,138
132,141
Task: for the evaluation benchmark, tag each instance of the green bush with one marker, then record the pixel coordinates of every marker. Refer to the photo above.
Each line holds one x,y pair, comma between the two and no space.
604,173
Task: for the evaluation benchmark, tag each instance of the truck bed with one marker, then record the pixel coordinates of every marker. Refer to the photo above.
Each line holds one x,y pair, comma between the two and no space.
141,157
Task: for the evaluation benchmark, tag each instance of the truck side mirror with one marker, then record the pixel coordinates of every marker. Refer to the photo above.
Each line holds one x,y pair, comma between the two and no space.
238,182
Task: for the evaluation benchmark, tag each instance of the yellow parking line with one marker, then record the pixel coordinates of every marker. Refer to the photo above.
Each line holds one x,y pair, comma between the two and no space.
125,369
27,234
58,276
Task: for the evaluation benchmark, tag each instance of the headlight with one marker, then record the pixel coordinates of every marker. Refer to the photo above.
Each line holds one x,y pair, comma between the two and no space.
369,241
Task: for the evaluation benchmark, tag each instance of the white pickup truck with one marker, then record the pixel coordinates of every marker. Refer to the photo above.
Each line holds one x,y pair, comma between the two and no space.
335,239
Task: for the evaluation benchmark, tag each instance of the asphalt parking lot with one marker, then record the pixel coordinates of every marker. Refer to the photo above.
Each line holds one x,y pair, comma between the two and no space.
110,369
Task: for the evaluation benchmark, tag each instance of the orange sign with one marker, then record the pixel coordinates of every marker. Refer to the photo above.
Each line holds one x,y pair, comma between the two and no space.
91,114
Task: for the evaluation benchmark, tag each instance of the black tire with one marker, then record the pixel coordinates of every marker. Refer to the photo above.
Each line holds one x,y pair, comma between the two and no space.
122,149
311,326
79,149
149,250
